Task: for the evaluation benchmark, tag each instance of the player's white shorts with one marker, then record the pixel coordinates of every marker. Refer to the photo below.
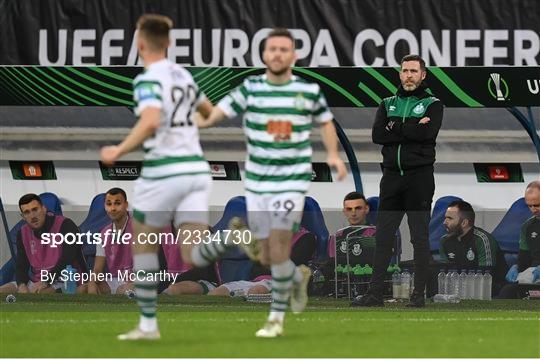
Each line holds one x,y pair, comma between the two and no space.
183,199
282,211
241,288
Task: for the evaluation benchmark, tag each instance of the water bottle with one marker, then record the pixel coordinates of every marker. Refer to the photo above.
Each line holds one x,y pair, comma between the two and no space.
405,284
411,286
487,279
470,285
447,283
440,282
396,285
70,285
438,298
463,285
454,283
478,285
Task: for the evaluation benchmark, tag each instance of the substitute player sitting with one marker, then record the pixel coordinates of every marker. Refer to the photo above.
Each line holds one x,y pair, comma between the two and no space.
112,253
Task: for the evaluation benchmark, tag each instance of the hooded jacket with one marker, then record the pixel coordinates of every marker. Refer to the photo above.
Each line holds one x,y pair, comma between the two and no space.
407,144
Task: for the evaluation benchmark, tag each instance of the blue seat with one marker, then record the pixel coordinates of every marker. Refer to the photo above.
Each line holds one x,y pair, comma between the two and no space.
373,203
313,221
52,203
234,265
507,231
436,226
94,222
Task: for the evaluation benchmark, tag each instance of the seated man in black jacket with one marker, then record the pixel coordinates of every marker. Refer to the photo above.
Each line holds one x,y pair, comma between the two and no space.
529,246
467,247
39,264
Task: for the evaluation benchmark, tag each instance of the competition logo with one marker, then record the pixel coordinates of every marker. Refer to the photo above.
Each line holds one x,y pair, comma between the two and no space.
470,254
419,109
497,82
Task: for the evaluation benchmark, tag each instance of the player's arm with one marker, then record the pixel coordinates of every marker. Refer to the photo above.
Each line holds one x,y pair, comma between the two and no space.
383,131
231,105
99,267
427,128
22,267
145,128
486,252
215,116
330,141
524,255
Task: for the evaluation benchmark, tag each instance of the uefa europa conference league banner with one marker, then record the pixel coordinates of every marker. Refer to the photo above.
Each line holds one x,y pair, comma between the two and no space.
209,33
343,87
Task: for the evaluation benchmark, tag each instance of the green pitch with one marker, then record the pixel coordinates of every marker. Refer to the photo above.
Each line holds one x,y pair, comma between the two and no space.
77,326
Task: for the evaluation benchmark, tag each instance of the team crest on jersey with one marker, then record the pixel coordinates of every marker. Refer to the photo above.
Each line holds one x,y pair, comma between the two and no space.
299,102
343,247
357,249
470,254
419,109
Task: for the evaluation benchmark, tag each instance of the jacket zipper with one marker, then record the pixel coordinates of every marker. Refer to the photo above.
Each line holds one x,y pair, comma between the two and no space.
399,146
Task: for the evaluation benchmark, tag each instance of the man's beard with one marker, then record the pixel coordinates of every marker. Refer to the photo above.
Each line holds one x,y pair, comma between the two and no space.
411,86
455,231
279,72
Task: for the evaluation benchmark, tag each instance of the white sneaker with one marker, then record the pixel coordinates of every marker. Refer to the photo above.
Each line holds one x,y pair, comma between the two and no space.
251,249
138,334
270,329
299,292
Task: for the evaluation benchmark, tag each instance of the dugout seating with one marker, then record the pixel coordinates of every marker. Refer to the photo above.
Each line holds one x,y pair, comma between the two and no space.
508,230
373,203
313,221
234,265
95,221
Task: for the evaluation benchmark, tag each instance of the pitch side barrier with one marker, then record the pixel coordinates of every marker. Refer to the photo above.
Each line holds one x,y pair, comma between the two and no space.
461,87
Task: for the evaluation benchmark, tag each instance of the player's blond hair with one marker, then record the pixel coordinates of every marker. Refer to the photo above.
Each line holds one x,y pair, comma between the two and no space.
155,29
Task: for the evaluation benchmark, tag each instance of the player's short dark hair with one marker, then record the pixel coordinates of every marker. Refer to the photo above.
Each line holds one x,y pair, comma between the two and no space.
27,198
465,209
115,191
280,32
155,29
414,57
354,195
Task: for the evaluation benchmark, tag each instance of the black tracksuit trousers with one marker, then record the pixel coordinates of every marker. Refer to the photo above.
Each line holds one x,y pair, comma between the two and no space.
411,194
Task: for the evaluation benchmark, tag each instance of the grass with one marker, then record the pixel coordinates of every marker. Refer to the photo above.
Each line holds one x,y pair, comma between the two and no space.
86,326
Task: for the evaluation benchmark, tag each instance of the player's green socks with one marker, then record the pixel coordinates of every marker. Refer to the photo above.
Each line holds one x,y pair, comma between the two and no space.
282,279
146,265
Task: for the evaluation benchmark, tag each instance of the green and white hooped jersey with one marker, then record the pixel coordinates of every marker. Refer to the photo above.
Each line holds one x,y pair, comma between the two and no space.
277,123
175,148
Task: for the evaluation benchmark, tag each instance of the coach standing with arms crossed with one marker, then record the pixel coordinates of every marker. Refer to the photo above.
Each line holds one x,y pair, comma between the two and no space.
406,125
